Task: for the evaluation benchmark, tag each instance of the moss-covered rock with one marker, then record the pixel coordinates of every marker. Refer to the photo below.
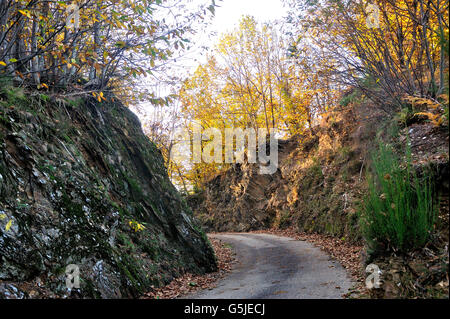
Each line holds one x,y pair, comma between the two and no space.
75,176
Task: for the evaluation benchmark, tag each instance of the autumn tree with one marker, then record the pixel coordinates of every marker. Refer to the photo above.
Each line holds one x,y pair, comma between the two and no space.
250,81
92,45
399,47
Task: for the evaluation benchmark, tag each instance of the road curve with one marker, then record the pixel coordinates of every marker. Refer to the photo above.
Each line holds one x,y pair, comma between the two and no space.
273,267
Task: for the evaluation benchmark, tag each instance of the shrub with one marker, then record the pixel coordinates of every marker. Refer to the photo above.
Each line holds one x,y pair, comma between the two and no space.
398,212
349,98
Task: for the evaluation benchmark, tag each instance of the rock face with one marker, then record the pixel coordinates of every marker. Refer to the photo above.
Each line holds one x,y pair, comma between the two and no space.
81,184
240,198
320,179
312,190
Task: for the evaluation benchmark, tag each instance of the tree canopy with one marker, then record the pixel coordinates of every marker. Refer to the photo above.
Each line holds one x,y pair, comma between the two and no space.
92,45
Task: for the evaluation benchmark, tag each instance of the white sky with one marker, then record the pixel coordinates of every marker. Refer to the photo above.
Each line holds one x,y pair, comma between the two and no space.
229,12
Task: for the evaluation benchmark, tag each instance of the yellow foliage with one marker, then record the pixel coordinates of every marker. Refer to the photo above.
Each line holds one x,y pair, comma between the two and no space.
432,109
8,225
137,227
421,101
436,119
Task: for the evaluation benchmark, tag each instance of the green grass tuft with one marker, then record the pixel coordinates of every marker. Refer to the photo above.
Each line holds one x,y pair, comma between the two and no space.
398,212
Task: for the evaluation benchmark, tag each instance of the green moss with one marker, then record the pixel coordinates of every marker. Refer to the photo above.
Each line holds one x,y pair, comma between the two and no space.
138,279
350,98
315,169
313,175
67,138
344,152
114,204
88,287
4,120
201,232
75,102
136,191
44,97
284,219
5,81
15,96
151,247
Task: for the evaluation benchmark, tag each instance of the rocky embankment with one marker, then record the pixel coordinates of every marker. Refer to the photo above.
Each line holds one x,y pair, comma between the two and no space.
320,184
320,180
81,184
315,188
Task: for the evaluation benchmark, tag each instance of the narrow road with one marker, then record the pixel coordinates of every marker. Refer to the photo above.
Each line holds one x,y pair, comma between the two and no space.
271,267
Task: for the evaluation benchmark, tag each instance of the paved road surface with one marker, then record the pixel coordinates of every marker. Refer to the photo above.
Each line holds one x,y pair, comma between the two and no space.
270,266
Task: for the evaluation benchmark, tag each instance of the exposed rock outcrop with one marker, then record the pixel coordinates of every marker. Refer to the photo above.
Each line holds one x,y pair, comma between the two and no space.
312,189
320,179
81,184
